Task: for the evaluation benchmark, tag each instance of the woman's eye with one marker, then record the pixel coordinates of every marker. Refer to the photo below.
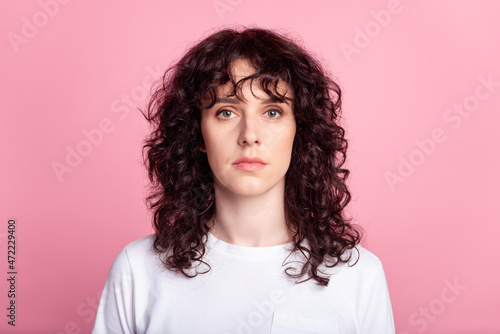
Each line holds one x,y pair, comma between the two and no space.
223,111
274,112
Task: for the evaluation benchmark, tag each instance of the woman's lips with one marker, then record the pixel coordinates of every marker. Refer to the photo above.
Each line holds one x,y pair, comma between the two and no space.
249,166
249,160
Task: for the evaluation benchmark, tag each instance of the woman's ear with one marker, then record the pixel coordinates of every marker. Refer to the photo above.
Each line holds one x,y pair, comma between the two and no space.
202,148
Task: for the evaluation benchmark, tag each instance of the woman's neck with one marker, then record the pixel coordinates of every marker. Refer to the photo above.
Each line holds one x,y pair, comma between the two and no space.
253,221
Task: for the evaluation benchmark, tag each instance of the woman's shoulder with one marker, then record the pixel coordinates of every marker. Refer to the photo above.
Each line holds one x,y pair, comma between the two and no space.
357,261
365,258
135,254
141,246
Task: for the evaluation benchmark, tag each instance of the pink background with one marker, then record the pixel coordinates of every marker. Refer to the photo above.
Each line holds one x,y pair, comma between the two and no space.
71,67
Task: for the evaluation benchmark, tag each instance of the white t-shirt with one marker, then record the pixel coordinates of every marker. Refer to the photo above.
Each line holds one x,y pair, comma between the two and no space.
246,291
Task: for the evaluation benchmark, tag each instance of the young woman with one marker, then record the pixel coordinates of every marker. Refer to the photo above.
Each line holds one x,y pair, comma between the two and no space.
248,200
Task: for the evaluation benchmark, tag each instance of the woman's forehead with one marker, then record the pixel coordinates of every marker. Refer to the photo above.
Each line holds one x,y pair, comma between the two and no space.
242,68
254,87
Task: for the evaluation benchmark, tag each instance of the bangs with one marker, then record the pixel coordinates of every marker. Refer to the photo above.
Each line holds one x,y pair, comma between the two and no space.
270,82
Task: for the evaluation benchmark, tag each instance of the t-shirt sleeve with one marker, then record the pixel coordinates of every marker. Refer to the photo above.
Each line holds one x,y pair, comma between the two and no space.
115,310
378,317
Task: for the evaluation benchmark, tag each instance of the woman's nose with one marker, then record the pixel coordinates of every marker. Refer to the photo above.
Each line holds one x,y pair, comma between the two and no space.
250,130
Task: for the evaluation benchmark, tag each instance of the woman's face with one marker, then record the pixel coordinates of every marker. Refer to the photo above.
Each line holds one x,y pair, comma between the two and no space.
255,127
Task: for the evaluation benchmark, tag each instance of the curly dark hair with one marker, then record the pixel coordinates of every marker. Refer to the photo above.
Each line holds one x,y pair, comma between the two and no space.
182,191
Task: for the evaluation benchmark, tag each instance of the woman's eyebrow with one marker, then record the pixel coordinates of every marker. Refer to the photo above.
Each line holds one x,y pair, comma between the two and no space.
236,101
